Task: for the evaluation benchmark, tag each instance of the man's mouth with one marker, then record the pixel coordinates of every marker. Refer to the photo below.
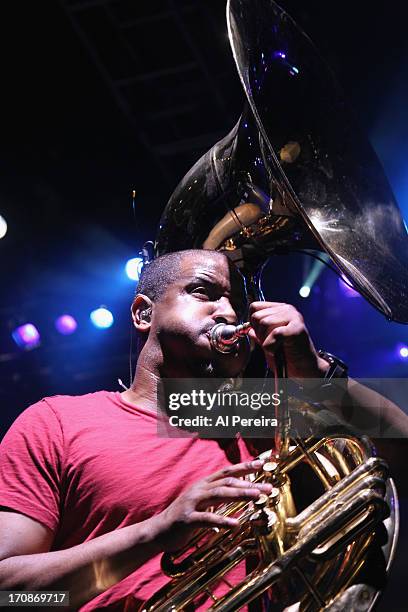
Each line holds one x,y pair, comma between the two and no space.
208,329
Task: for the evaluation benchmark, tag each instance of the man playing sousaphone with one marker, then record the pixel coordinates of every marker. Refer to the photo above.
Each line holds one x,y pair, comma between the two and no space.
91,496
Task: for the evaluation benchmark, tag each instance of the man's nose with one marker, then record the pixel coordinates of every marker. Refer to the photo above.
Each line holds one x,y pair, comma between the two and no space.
225,313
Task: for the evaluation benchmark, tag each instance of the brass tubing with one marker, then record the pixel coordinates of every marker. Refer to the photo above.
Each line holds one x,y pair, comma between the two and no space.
369,468
168,562
312,590
258,582
183,596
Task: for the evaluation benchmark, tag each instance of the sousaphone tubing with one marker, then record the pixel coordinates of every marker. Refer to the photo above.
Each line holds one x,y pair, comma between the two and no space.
295,173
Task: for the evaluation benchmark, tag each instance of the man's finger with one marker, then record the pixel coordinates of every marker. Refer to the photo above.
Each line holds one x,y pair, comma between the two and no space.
262,321
239,469
292,330
222,493
225,495
264,330
210,519
241,484
269,320
254,306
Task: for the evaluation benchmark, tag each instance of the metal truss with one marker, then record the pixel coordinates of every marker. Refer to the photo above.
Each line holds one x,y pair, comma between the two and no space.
167,65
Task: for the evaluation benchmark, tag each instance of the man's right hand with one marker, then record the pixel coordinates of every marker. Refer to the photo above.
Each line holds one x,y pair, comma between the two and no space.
90,568
190,510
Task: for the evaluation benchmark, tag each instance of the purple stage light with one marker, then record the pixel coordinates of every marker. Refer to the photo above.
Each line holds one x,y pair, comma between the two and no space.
66,324
26,336
345,287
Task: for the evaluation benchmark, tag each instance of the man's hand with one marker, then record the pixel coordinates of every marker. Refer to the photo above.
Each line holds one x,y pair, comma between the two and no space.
277,325
190,510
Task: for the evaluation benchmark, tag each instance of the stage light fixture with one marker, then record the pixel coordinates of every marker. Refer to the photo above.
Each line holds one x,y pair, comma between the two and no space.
102,318
311,277
66,324
3,227
134,267
26,336
304,291
403,352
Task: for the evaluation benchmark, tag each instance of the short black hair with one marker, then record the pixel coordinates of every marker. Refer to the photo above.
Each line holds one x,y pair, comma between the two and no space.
157,275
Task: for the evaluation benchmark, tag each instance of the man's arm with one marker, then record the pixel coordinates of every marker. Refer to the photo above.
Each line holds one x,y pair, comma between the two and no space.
392,422
85,570
277,325
90,568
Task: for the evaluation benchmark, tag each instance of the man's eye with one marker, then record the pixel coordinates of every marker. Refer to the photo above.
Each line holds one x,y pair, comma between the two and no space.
201,290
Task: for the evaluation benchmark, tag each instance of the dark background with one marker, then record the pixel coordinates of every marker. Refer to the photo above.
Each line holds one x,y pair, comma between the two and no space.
100,97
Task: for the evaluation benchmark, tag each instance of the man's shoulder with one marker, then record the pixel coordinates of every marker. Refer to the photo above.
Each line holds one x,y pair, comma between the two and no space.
65,405
61,418
88,401
87,398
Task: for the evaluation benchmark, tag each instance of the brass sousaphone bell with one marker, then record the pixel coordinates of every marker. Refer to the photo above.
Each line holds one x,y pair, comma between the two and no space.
294,173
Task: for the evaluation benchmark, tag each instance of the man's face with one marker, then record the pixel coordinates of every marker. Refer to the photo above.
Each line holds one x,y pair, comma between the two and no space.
207,290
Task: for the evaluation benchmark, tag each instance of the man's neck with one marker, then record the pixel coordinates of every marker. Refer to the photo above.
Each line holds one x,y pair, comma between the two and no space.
149,372
143,390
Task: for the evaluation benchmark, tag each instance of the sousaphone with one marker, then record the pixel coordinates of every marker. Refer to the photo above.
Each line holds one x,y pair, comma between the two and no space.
295,173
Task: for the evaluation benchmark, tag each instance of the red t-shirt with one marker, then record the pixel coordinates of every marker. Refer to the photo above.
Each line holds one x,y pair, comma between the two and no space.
84,466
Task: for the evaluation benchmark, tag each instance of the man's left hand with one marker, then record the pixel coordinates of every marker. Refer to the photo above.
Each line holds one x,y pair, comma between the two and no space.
276,325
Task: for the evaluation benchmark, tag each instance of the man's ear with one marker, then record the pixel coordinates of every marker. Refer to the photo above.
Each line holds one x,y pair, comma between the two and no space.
142,312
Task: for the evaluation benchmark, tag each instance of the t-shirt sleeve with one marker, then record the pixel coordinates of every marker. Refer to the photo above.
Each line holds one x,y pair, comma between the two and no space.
31,463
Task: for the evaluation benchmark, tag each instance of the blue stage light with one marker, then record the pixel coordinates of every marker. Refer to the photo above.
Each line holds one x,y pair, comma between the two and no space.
66,324
134,267
102,318
26,336
304,291
3,227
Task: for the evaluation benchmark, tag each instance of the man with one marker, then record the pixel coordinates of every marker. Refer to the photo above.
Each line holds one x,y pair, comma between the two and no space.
91,495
